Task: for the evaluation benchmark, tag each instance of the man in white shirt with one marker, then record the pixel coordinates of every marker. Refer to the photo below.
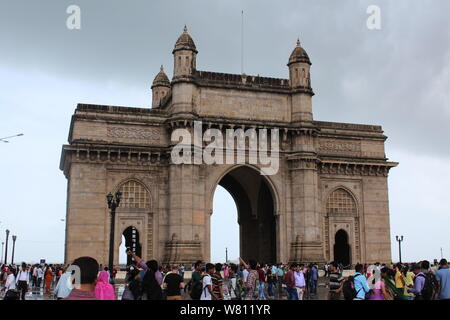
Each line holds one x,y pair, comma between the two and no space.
64,286
23,279
10,284
207,293
40,274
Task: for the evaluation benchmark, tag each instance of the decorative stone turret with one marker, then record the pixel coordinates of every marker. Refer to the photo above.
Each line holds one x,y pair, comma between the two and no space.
183,82
160,88
300,81
185,55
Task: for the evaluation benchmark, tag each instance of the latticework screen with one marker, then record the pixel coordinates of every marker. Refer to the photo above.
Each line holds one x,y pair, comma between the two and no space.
134,195
341,202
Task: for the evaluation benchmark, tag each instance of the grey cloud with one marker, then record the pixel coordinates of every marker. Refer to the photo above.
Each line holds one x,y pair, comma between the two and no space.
385,77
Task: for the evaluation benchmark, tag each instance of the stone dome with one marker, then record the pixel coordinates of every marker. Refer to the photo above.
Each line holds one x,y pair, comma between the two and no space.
185,42
161,79
299,55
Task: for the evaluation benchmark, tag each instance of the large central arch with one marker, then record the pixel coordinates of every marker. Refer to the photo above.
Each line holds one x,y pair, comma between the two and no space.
256,206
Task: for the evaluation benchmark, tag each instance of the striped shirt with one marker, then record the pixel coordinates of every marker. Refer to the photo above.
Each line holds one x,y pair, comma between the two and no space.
335,281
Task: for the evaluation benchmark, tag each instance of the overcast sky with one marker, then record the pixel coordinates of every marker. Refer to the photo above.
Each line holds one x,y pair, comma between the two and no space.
397,77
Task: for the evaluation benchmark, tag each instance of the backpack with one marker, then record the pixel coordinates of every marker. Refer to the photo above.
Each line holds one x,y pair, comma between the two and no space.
196,289
429,288
348,288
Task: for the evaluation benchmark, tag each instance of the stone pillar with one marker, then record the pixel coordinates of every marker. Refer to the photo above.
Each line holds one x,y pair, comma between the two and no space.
186,215
306,242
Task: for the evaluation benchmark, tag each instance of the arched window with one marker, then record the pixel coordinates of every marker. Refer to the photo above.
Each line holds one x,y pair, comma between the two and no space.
341,202
134,195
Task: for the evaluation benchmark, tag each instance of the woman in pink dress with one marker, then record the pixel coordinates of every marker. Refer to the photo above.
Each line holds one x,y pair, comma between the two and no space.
103,289
378,291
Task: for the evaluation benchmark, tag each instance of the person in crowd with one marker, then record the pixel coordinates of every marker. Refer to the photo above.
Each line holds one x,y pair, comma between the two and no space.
134,285
40,276
360,281
262,283
217,282
280,279
271,279
64,285
313,279
234,283
419,282
22,280
207,291
10,285
443,280
244,273
399,281
48,279
289,281
335,282
104,290
378,288
392,292
408,281
152,279
85,290
300,282
33,278
252,279
173,283
196,277
326,269
226,272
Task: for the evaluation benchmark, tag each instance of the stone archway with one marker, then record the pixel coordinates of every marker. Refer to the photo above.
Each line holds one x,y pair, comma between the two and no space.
342,252
255,202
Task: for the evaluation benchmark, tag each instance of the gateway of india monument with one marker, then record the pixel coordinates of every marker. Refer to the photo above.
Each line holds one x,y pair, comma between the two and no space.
327,201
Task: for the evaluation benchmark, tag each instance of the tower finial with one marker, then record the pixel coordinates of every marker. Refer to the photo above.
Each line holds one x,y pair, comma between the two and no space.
298,42
185,30
162,68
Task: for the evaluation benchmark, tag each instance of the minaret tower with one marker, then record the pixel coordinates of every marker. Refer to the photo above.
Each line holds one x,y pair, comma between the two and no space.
183,86
160,88
300,80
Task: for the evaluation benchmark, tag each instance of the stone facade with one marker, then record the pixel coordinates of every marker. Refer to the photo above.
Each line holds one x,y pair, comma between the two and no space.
331,185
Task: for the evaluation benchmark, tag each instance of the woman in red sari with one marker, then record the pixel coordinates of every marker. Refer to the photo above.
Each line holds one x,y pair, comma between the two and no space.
48,279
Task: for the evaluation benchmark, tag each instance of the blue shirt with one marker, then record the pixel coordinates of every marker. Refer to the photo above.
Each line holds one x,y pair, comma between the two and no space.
361,286
314,274
280,272
443,276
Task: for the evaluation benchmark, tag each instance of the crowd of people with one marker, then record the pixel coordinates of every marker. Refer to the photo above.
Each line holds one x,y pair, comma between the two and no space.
243,281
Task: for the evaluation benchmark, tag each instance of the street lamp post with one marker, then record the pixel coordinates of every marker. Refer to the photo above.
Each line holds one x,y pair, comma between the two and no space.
7,141
113,203
226,255
14,238
399,240
6,248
